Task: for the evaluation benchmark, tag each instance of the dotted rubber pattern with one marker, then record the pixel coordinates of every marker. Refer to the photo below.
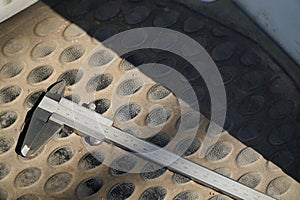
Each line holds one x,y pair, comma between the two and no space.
39,47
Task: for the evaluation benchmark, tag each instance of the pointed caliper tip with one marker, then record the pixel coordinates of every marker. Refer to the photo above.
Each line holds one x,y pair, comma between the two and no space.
25,150
58,87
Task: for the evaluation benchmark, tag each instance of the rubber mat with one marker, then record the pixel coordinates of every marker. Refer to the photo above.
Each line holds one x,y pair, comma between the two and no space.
41,45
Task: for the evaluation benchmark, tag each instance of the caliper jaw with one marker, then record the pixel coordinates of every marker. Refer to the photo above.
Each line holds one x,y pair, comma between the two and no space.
45,122
41,129
39,132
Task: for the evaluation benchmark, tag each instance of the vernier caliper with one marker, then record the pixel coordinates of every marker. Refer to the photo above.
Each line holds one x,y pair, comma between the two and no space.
54,111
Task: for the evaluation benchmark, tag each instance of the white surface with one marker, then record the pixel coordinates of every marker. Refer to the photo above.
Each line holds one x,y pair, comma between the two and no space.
280,19
8,8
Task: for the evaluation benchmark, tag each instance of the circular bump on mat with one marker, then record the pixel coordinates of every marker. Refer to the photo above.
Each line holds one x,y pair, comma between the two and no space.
58,182
157,193
127,112
121,191
219,151
72,53
65,132
15,46
190,49
89,187
190,145
61,155
130,86
223,51
123,164
91,161
134,40
28,177
9,94
188,121
11,69
32,99
43,49
279,186
251,179
4,170
137,15
251,80
249,132
158,116
158,92
251,105
180,179
73,32
99,82
108,10
7,119
166,18
164,43
192,24
102,105
250,58
101,57
71,77
40,74
247,156
5,144
48,26
160,139
152,171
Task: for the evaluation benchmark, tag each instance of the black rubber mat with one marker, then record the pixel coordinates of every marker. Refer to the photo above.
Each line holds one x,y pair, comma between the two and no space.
263,101
40,46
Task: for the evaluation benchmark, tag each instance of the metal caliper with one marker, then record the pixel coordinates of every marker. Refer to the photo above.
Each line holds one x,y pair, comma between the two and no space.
54,111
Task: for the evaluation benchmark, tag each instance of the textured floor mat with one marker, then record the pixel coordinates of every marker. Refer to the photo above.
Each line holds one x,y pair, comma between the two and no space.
39,47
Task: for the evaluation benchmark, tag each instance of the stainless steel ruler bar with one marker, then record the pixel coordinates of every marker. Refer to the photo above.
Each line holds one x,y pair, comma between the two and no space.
89,123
